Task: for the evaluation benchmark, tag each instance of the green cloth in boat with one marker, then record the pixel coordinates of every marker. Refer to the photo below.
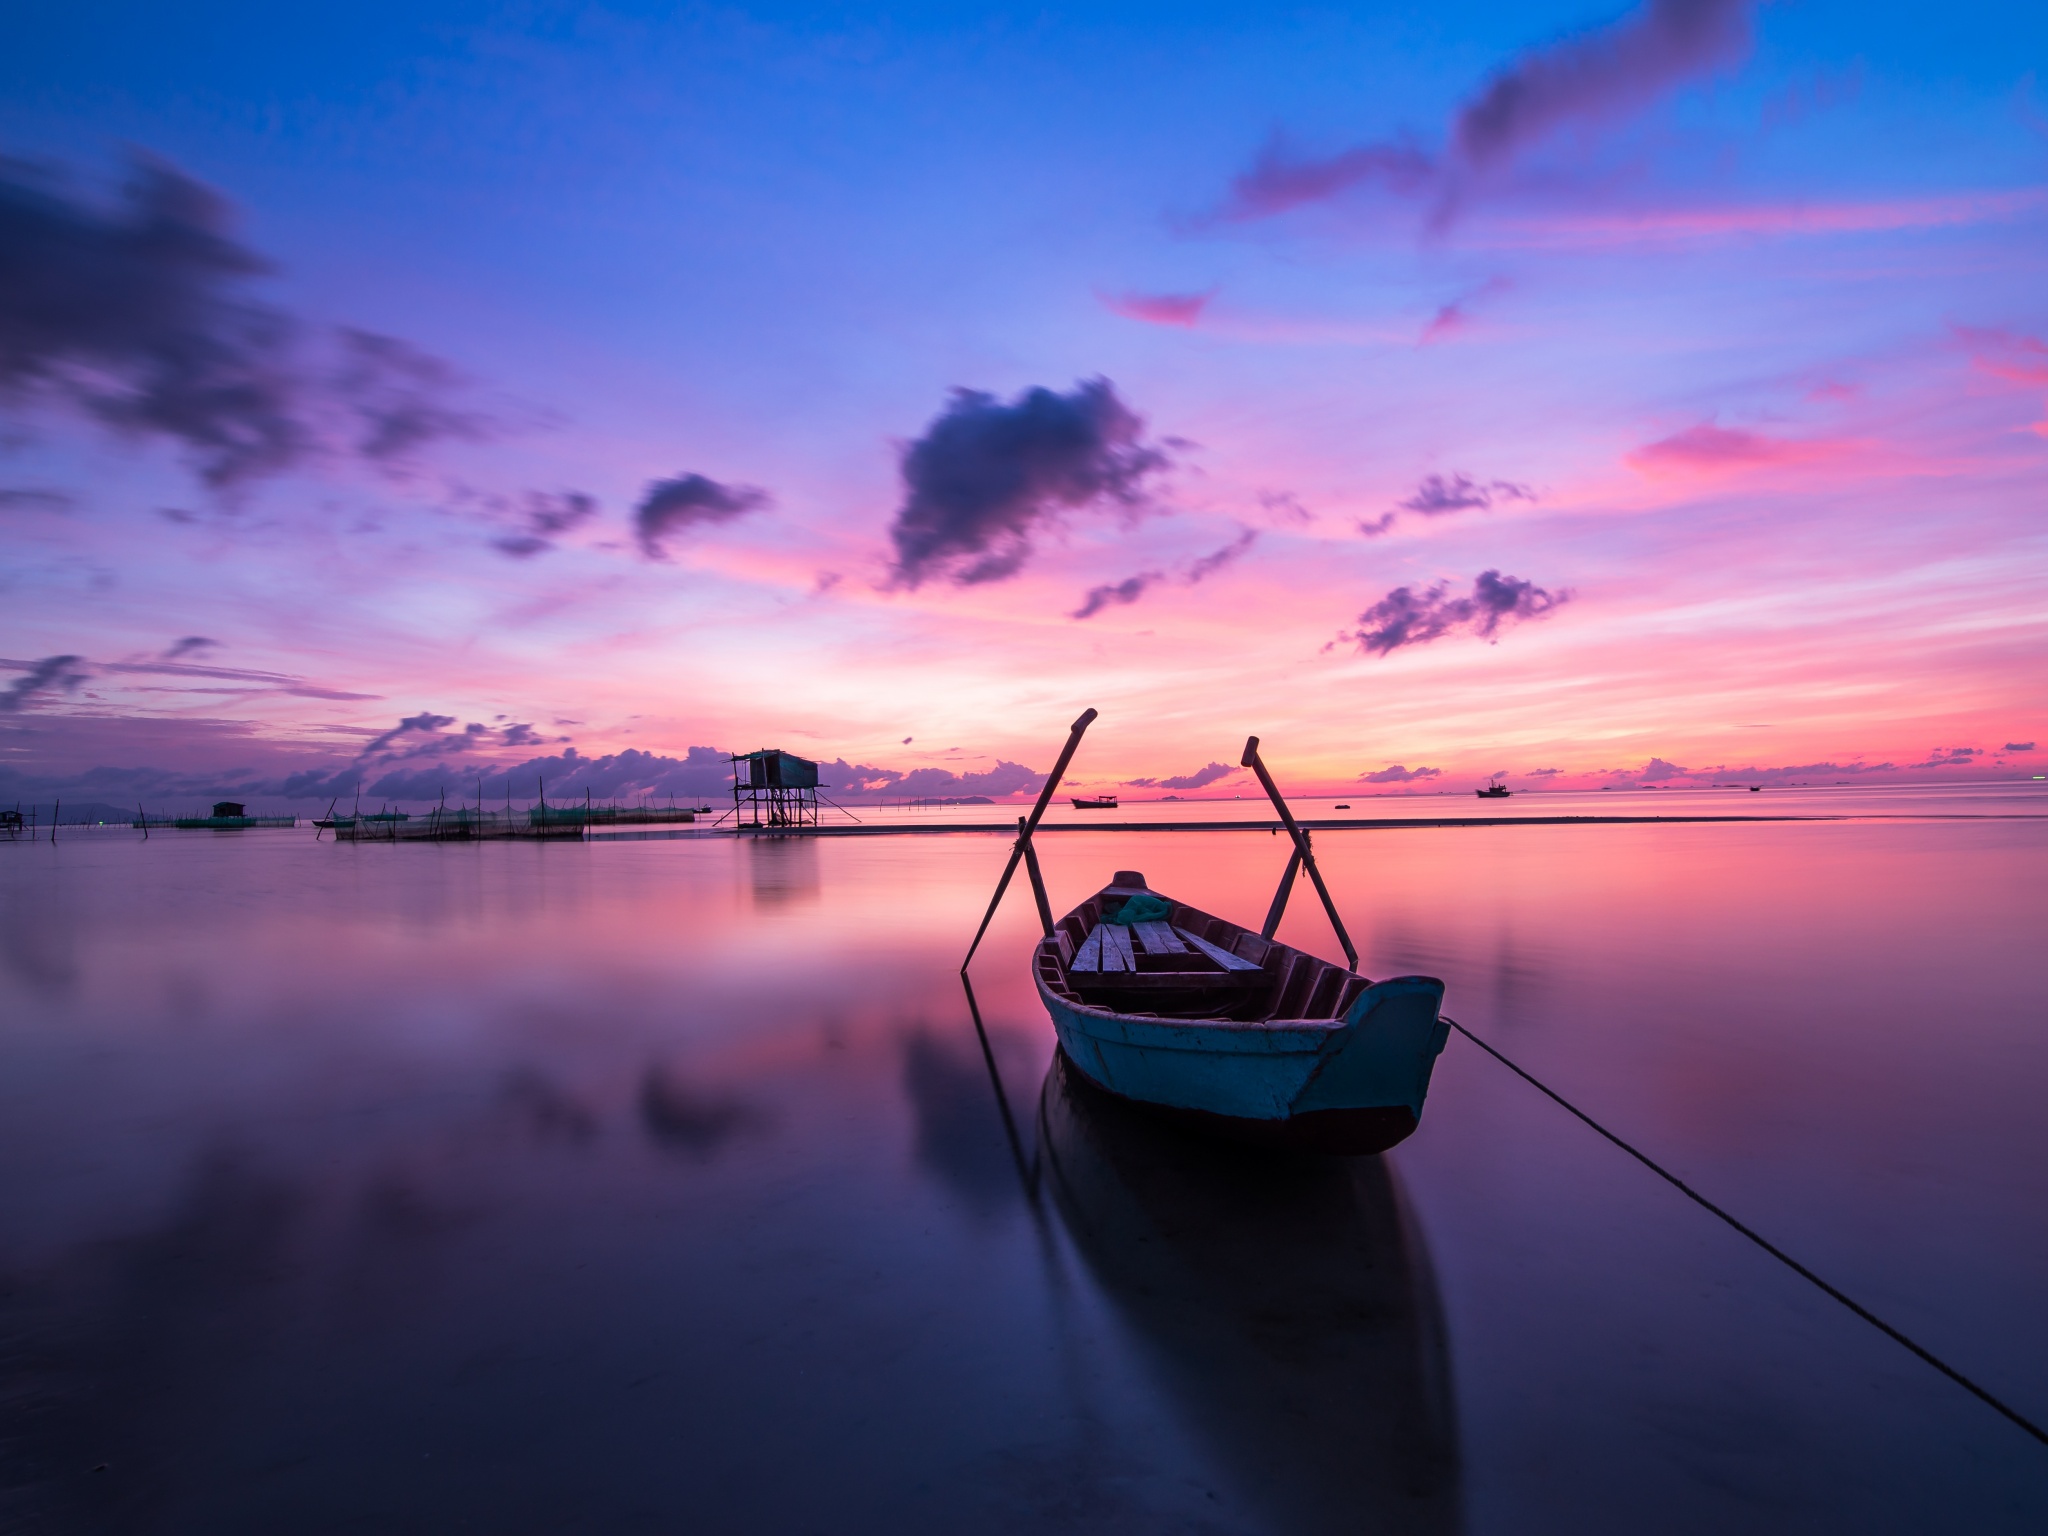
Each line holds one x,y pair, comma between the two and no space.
1141,908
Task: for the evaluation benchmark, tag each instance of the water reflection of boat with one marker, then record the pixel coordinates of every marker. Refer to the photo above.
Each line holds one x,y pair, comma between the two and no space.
1288,1301
1171,1006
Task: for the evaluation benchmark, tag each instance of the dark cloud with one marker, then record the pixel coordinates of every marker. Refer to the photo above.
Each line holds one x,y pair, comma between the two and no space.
1437,497
1397,774
1950,757
689,501
1596,75
1282,177
1284,507
1131,588
461,762
1543,773
421,723
190,645
402,399
543,516
568,775
986,476
140,316
132,315
28,499
272,682
1656,771
2017,746
1111,594
1208,565
1201,778
1006,778
1405,617
41,680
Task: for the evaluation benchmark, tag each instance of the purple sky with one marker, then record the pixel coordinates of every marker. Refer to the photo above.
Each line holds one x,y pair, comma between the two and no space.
389,393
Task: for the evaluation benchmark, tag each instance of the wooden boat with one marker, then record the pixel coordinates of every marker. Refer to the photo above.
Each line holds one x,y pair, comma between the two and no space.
1094,802
1234,1032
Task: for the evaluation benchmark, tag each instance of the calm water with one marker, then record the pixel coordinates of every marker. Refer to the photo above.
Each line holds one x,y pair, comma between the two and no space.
662,1186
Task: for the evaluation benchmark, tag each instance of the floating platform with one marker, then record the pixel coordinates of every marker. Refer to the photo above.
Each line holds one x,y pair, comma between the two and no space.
459,826
216,823
609,815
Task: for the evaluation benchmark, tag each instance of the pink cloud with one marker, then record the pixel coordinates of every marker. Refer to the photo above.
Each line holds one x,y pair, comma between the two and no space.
2011,356
1707,448
1455,317
1182,309
1447,322
2007,354
1746,220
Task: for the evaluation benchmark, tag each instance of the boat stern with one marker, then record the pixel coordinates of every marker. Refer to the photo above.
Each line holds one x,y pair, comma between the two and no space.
1394,1034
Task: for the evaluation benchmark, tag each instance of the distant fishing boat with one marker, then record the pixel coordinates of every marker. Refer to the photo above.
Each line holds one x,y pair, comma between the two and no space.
1260,1041
1094,802
1495,790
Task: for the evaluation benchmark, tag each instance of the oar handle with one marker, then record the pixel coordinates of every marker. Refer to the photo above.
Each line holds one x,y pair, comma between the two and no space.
1023,844
1252,760
1059,770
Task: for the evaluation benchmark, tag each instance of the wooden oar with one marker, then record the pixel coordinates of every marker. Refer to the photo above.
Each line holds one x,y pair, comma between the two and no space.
1301,850
1052,782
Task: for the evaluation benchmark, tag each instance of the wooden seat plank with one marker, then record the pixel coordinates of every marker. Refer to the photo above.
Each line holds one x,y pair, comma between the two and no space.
1159,938
1116,948
1222,957
1089,956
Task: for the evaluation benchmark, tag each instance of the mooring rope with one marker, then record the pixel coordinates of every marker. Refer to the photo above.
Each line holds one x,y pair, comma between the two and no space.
1760,1240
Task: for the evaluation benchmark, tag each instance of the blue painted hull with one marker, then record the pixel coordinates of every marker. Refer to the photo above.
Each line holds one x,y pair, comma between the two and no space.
1349,1084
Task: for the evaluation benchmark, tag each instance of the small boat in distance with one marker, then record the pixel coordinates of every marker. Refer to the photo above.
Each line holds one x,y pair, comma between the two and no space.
1232,1032
1094,802
1495,790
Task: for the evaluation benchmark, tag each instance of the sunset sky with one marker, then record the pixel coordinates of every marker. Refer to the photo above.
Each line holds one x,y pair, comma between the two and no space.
387,390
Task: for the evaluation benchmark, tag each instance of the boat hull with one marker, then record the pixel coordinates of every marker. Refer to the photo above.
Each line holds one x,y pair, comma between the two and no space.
1349,1086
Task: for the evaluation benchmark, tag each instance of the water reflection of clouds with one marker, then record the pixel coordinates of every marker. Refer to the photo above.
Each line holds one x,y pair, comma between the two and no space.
694,1121
547,1109
38,941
